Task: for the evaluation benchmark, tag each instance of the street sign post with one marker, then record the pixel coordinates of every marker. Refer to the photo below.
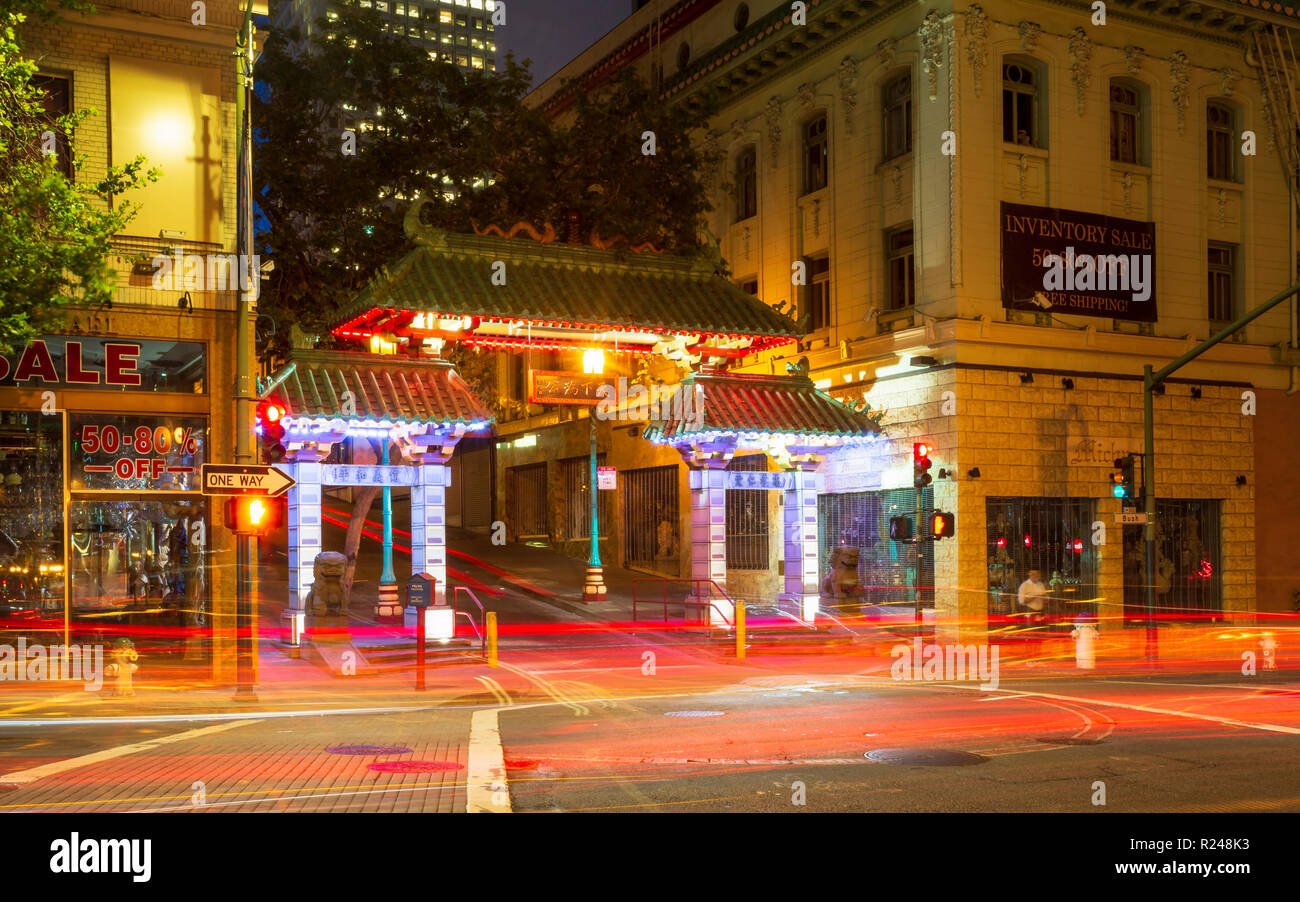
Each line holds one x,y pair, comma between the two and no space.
245,479
606,479
1133,519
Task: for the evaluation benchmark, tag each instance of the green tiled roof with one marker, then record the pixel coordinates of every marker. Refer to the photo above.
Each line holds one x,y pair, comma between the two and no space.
396,389
755,403
451,274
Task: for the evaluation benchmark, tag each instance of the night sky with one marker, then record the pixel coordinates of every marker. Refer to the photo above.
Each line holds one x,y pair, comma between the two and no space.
553,32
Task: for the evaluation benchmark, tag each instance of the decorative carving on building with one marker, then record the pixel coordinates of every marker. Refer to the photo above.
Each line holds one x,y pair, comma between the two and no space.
1228,78
1179,75
745,234
896,179
1022,165
886,50
817,217
1222,198
1126,180
772,117
930,33
737,130
806,94
1030,32
977,44
1080,55
1133,56
848,77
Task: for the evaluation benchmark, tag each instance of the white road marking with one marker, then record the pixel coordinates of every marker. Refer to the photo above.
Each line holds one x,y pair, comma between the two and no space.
486,790
32,774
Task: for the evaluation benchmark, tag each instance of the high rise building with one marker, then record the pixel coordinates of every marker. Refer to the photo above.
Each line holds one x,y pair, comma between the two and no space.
454,31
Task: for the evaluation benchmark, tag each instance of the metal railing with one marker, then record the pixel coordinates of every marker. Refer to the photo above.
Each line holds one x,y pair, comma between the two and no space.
701,602
482,634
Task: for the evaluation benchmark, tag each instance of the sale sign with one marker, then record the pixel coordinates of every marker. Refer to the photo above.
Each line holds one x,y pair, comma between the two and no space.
133,453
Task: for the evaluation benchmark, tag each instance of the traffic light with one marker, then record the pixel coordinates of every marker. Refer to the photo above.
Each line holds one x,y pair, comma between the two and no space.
270,425
1122,481
252,515
943,525
900,529
921,465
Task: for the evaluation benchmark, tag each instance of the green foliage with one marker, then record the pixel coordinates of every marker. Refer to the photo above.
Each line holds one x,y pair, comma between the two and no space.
54,232
466,142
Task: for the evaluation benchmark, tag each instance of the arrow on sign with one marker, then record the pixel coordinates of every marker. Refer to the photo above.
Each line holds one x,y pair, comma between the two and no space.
245,479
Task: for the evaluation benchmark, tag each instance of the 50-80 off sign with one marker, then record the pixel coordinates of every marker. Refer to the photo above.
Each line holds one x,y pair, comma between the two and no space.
136,453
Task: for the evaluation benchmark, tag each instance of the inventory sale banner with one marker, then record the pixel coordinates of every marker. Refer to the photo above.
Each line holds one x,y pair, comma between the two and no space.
1082,264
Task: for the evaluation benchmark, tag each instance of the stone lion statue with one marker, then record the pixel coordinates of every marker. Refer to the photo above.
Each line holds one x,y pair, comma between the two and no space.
843,577
326,596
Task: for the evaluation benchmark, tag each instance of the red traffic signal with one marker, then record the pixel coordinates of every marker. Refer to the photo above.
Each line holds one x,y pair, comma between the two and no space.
252,515
270,426
921,465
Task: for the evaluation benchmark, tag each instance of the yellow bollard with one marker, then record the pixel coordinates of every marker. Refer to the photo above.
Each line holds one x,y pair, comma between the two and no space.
492,638
740,630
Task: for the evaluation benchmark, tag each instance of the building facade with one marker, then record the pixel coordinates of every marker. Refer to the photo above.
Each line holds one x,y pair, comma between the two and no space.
106,424
915,178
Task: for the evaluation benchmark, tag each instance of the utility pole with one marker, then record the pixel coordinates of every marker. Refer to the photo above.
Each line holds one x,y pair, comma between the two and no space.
245,546
1150,380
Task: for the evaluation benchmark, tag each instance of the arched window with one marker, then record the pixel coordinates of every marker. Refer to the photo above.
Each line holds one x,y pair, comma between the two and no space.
746,184
897,116
1022,90
742,17
1219,130
1128,138
816,154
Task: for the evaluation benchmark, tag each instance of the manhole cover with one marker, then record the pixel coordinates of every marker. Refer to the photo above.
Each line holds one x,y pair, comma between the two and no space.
694,713
414,767
927,757
368,750
1067,740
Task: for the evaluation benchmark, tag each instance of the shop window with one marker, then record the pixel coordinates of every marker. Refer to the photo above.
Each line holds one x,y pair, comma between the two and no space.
897,116
887,570
1050,535
816,155
1219,130
747,184
817,294
31,514
1021,84
1189,582
900,261
747,519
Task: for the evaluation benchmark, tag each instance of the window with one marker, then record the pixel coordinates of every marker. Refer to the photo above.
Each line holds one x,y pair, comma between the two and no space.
747,184
1222,278
1020,105
742,17
1050,535
749,286
899,256
1218,142
1125,123
683,55
860,520
818,293
897,125
1189,580
815,155
747,523
56,101
575,474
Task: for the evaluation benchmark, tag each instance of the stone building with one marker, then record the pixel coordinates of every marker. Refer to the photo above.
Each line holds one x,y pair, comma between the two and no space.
901,173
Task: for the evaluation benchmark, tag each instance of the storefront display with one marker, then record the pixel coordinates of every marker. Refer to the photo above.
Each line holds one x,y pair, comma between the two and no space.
31,516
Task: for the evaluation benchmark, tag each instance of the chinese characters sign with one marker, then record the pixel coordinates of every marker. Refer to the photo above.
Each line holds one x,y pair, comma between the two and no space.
750,479
350,474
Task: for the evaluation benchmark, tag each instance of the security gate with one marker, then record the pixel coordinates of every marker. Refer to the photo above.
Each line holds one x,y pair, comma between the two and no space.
747,519
527,496
651,525
575,476
886,569
1189,584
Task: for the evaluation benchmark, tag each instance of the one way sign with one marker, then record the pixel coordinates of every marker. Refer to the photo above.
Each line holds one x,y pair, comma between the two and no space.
245,479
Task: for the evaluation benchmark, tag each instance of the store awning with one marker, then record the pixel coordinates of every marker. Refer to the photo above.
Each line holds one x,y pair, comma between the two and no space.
495,291
386,391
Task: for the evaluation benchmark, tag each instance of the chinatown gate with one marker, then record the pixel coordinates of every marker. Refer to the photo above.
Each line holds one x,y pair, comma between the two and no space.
577,301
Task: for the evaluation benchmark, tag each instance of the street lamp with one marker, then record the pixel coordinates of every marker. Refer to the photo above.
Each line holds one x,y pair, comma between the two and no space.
593,363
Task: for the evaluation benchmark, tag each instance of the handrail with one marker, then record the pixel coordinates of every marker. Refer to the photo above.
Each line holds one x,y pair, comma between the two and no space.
455,597
481,637
696,586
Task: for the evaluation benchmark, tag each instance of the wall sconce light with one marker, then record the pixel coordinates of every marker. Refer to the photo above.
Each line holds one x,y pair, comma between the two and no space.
1241,480
922,361
185,302
1196,391
1026,378
634,431
1067,383
973,472
946,474
1158,389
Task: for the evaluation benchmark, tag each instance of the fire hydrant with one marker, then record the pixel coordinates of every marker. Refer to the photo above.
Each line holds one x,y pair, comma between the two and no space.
1269,645
1085,642
124,657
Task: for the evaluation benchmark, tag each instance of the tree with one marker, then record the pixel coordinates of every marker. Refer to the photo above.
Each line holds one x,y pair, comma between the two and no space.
54,230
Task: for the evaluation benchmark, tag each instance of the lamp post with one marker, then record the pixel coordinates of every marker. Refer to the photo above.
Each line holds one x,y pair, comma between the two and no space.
593,362
387,578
